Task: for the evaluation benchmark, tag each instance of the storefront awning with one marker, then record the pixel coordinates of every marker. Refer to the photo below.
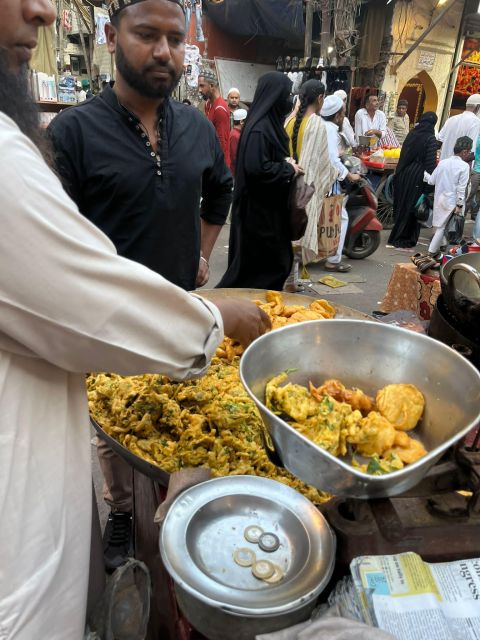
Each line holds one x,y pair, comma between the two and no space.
273,18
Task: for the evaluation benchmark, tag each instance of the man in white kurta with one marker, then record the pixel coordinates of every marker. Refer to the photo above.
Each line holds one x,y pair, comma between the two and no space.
450,179
370,121
347,130
333,114
68,305
463,124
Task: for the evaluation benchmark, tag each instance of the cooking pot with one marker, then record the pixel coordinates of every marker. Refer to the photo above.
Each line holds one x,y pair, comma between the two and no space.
442,328
208,523
460,280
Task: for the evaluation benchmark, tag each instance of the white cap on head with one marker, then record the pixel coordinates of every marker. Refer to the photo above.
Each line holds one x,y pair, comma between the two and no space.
341,94
473,99
239,115
232,90
78,84
331,106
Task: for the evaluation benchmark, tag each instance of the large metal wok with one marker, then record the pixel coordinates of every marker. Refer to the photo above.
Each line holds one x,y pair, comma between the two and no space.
153,471
460,280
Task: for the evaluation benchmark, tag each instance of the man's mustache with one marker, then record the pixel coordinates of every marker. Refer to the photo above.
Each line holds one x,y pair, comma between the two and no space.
166,68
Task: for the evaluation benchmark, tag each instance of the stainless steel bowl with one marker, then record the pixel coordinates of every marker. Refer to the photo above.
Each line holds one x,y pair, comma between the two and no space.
369,356
204,527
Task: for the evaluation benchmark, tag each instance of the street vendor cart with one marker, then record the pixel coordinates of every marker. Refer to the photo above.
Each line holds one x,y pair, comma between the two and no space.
367,516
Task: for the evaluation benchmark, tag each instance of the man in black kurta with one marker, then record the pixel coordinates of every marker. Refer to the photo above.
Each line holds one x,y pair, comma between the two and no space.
137,164
148,204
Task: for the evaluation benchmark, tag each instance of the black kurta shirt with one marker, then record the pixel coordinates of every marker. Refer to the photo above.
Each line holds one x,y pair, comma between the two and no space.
147,204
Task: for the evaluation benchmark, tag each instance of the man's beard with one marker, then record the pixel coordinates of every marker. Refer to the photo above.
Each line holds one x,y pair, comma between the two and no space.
138,80
17,103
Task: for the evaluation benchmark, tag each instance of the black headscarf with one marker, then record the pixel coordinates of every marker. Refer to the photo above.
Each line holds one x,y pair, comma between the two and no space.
413,148
271,104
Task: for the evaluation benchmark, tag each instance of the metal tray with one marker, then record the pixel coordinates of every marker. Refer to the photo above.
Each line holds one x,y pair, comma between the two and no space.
151,470
367,355
206,524
154,472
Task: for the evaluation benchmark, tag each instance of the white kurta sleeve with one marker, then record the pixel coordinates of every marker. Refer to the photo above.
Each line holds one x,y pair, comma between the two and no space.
333,144
464,178
358,125
443,132
68,298
432,177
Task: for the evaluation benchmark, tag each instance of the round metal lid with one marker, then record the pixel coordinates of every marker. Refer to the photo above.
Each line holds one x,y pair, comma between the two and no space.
205,527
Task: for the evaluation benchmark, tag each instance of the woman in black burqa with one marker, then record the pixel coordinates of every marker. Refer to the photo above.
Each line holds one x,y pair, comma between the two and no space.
419,154
260,251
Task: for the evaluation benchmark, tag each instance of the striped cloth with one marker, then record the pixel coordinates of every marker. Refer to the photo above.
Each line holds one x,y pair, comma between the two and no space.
389,139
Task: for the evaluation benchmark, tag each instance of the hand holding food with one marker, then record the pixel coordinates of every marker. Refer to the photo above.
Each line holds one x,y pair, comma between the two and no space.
243,321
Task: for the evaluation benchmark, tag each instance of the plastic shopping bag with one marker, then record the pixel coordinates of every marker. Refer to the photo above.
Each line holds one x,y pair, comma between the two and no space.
454,229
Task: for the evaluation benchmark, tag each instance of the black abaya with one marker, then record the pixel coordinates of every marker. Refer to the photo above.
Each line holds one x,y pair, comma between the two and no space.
419,154
260,252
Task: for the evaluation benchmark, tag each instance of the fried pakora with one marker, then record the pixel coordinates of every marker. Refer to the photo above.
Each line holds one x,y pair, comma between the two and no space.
354,397
339,419
280,315
210,421
402,405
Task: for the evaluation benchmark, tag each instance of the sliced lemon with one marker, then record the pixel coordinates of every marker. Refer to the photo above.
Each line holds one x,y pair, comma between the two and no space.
244,557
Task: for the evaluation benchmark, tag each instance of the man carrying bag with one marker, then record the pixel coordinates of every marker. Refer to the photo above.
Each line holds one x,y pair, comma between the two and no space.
333,114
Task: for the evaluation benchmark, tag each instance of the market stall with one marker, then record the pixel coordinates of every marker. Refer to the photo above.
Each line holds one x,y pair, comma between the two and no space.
349,352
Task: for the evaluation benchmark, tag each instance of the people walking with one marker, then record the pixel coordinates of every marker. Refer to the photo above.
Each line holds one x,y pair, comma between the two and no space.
260,252
348,134
239,117
333,113
137,164
419,154
216,109
472,205
309,147
466,123
451,180
233,102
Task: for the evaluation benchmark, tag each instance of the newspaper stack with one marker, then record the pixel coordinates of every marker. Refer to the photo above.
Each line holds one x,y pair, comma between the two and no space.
412,599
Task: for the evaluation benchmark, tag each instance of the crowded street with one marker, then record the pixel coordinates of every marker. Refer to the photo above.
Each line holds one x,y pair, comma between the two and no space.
239,327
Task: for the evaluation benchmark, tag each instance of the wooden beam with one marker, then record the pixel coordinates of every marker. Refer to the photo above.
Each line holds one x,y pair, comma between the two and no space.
308,28
419,40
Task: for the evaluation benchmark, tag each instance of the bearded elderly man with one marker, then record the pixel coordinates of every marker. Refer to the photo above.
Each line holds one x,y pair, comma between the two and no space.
137,164
68,305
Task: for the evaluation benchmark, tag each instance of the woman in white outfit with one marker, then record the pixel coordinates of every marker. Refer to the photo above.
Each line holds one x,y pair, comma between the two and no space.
450,179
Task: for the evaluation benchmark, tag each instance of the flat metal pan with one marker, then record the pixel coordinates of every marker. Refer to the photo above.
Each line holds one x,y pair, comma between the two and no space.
138,463
154,472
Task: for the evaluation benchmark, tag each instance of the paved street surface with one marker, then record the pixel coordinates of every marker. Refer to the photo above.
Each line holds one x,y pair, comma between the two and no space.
367,280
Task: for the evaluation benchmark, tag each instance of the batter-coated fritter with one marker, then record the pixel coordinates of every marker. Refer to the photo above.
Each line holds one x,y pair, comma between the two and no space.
334,418
402,405
210,421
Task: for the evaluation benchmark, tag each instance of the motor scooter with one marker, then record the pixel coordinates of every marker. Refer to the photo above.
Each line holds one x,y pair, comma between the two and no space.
363,234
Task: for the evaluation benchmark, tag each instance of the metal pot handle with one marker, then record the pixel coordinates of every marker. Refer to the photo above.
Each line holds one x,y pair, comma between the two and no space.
451,277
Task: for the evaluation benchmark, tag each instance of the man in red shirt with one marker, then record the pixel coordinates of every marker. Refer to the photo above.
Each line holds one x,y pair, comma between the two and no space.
216,109
239,120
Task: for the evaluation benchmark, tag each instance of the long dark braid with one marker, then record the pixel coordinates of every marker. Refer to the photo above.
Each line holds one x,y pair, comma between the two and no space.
309,92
